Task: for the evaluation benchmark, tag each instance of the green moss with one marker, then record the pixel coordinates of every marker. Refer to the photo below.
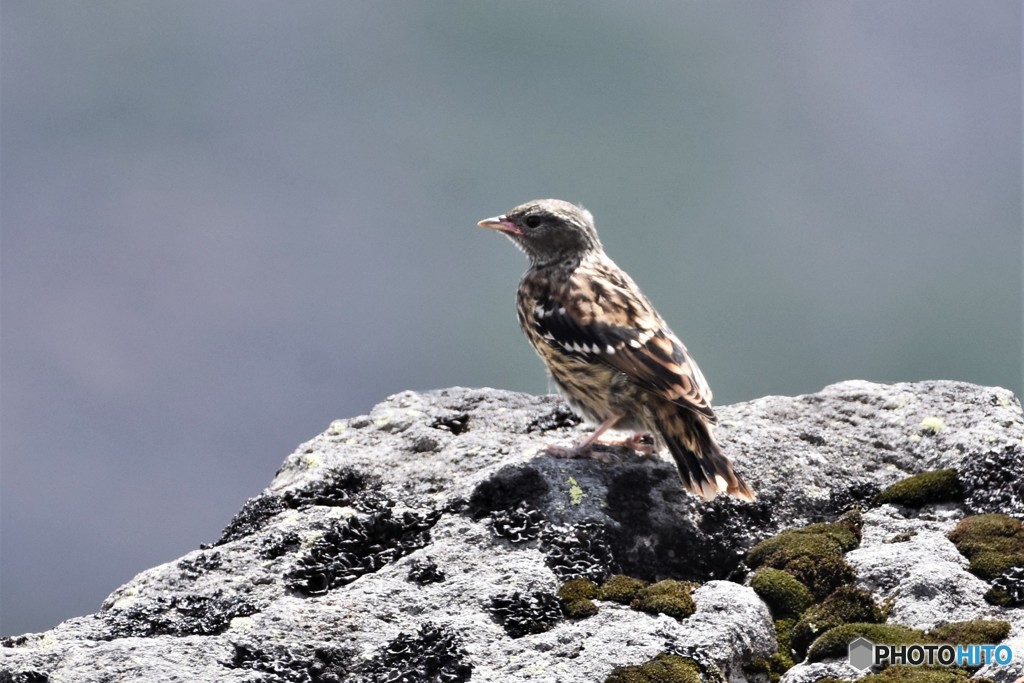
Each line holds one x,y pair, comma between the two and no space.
782,592
993,543
664,668
781,660
928,487
577,596
852,520
842,532
822,576
813,554
918,674
1000,597
666,597
620,588
847,605
835,642
976,632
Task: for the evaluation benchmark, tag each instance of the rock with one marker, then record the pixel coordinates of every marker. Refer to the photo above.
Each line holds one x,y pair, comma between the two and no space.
428,540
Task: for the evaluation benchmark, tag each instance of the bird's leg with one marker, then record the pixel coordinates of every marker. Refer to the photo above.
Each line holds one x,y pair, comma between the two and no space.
641,443
582,449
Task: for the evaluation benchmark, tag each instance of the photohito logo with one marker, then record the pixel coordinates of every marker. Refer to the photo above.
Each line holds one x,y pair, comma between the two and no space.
863,654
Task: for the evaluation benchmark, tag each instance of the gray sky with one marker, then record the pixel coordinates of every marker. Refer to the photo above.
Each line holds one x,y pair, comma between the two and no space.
226,224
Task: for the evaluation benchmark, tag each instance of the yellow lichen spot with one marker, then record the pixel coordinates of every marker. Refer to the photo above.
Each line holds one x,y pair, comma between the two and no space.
932,425
337,427
314,459
381,421
575,492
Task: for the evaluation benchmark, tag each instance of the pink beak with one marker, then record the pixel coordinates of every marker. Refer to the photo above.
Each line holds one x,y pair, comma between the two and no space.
501,224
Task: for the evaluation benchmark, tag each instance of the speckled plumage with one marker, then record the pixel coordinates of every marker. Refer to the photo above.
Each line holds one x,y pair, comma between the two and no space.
609,352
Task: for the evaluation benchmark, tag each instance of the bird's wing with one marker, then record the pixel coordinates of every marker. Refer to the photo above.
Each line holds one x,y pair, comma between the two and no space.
601,315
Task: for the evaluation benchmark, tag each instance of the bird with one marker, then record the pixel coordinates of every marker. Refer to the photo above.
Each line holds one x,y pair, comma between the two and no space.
608,351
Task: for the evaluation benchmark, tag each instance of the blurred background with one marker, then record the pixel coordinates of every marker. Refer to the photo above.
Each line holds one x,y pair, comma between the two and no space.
226,224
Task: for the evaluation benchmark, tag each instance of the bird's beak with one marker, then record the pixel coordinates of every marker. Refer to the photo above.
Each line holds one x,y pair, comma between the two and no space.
501,224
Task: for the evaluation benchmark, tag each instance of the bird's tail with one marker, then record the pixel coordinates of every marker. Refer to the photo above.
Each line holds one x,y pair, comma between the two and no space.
702,466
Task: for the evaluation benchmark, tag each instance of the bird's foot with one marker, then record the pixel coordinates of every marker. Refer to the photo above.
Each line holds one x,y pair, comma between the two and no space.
590,451
641,442
605,451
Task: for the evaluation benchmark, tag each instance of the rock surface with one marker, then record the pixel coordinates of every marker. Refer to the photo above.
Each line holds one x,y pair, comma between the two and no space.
426,542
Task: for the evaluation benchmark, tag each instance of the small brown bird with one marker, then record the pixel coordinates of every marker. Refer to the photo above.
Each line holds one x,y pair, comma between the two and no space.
607,349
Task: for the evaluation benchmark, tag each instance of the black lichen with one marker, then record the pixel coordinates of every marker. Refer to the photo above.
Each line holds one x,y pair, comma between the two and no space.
252,517
659,530
343,487
559,417
23,677
578,551
424,571
859,493
456,423
521,614
507,489
279,543
296,663
1007,590
519,525
192,568
178,615
433,655
356,546
992,482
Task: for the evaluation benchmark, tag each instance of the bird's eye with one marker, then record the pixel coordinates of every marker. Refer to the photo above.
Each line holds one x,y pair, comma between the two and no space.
532,221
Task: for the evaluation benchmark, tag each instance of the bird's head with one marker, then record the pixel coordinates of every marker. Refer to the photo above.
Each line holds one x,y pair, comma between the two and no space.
548,230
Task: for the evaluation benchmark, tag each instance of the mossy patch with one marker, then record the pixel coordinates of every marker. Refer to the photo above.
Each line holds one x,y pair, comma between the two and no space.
780,661
975,632
782,592
664,668
1008,589
993,543
813,554
902,673
577,596
848,604
666,597
835,642
620,588
939,486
